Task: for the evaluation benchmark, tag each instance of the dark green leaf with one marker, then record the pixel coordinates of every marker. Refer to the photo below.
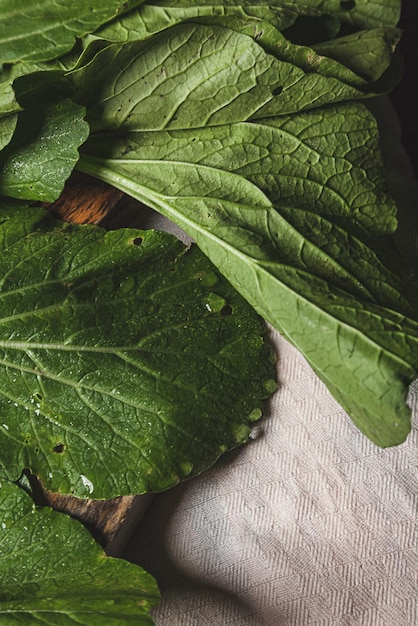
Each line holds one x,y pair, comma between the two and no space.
43,151
8,114
126,363
52,572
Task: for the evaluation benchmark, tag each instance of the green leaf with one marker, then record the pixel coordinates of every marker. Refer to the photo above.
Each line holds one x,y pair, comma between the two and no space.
203,75
153,17
289,210
39,31
368,53
360,14
8,113
52,572
10,207
360,60
43,150
126,363
7,128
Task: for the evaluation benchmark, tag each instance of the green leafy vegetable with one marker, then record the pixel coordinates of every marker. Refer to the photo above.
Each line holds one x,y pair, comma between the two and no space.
288,220
226,77
288,208
7,128
356,58
8,114
43,151
127,364
71,582
153,17
213,114
39,31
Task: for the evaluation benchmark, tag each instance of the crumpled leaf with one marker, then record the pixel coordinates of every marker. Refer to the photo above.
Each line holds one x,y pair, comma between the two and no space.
126,363
39,31
52,571
291,210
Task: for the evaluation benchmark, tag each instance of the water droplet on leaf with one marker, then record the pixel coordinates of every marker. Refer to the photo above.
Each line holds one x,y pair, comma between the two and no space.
255,414
210,279
87,483
214,303
270,385
186,468
127,284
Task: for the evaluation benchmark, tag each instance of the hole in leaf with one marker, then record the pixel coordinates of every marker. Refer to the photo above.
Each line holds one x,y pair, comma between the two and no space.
59,448
137,241
277,90
347,5
38,396
226,310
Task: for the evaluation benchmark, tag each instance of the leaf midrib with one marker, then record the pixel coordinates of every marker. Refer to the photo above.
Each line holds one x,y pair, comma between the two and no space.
149,197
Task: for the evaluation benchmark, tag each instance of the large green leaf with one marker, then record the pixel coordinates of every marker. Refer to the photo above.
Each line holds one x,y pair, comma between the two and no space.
202,75
126,363
38,31
355,59
52,572
288,209
367,53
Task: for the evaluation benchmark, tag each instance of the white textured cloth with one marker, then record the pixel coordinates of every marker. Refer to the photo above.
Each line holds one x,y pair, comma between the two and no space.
308,524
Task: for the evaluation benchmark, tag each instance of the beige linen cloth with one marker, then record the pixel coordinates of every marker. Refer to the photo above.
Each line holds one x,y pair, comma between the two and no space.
308,524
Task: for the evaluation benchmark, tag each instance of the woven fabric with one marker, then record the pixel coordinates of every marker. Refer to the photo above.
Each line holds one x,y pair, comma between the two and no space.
308,524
